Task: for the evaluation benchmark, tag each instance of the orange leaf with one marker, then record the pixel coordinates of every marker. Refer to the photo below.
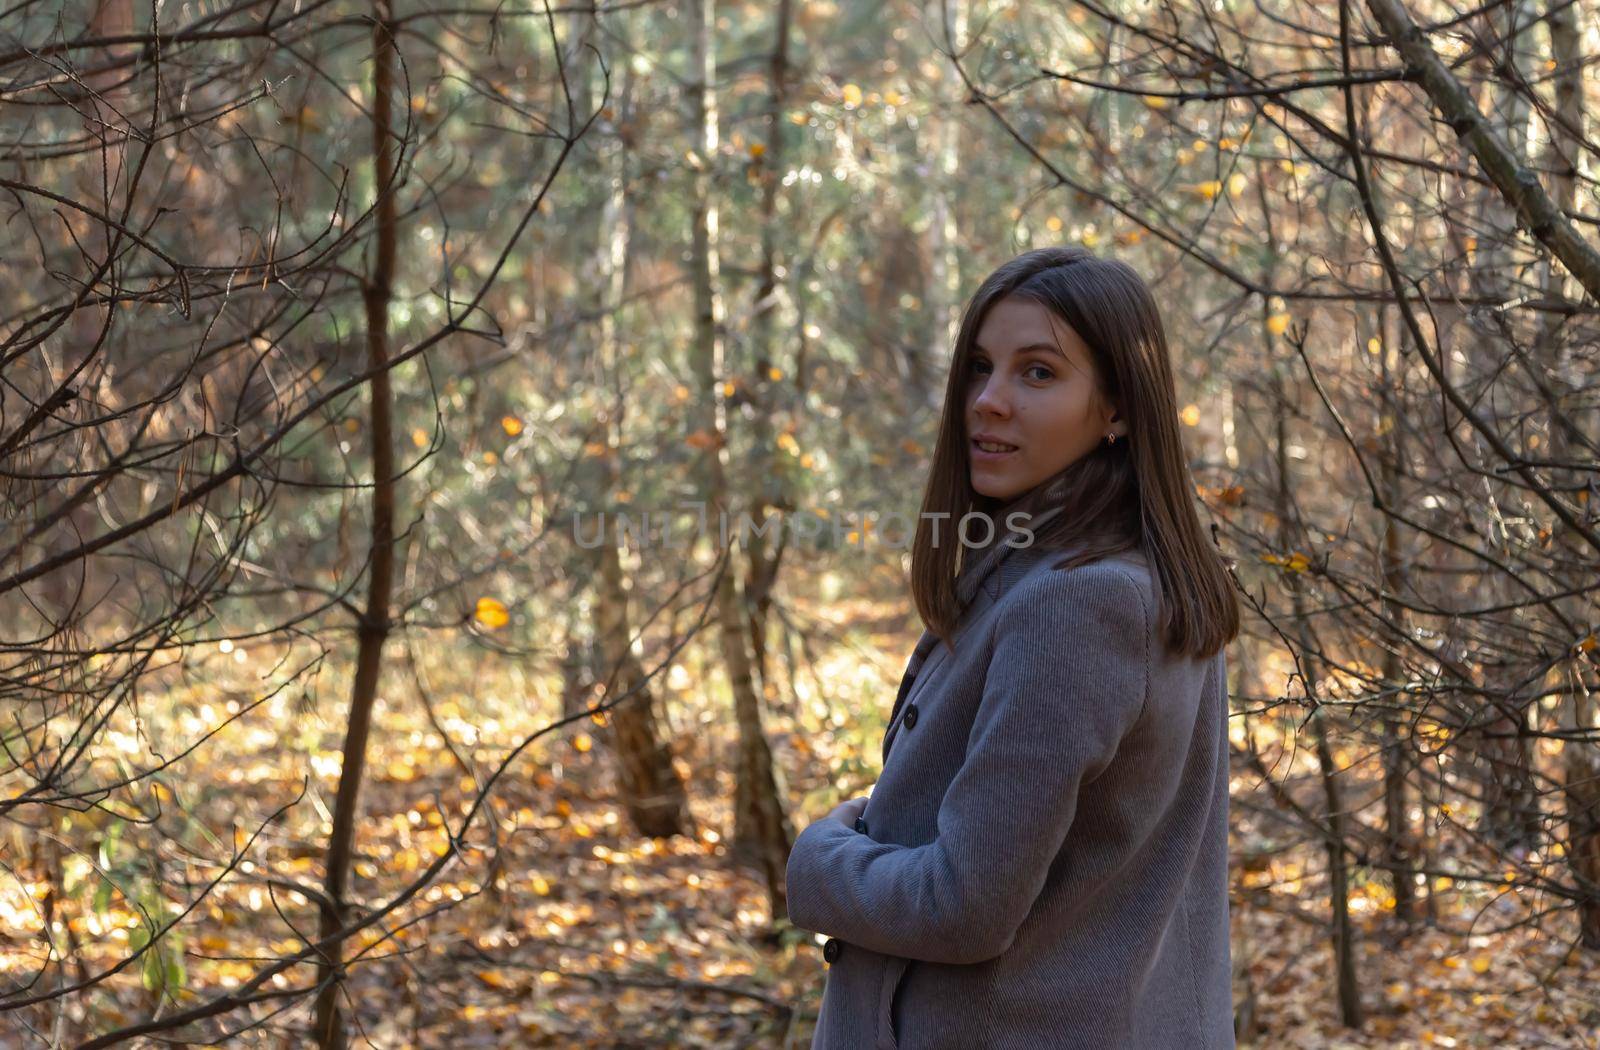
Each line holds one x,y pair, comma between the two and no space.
491,613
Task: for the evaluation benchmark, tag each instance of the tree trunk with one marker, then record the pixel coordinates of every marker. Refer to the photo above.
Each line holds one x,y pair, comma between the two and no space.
1400,848
652,791
1349,990
768,490
374,626
762,830
1570,431
1510,798
944,244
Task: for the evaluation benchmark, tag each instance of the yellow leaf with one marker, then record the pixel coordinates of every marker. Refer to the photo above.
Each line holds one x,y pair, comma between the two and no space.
1374,345
583,742
511,425
1296,562
1236,184
1190,415
774,374
680,393
1480,964
893,98
540,886
1155,101
852,96
491,613
757,149
419,437
1053,224
1209,190
1277,324
728,387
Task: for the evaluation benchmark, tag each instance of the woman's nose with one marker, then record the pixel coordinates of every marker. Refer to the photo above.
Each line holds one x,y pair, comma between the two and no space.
991,398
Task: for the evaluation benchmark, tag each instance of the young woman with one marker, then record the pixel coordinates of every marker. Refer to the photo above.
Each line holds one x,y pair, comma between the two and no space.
1043,862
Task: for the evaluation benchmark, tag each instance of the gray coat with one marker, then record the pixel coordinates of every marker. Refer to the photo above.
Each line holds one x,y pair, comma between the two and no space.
1044,860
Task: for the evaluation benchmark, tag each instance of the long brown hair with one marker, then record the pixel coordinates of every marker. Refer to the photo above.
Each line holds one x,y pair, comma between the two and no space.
1134,494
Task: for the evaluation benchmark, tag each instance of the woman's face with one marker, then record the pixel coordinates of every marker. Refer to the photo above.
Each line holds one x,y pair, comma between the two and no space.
1031,386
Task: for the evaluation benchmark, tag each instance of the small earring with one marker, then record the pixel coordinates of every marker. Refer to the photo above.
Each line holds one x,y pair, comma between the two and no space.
1111,438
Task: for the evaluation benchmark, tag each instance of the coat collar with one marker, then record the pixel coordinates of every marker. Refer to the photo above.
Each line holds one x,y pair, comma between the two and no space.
998,568
1000,565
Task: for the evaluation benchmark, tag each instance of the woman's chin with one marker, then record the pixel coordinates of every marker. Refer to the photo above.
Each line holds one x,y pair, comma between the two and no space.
994,488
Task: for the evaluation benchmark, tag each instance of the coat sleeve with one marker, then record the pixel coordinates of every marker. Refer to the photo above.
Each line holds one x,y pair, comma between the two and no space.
1066,681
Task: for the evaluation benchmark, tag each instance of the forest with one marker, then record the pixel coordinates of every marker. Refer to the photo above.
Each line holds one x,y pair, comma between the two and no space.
375,375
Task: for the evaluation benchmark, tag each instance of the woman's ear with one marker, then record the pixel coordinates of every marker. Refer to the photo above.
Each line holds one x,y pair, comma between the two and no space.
1115,424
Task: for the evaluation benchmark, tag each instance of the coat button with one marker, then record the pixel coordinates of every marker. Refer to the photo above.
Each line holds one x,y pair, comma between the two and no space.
911,716
861,825
830,950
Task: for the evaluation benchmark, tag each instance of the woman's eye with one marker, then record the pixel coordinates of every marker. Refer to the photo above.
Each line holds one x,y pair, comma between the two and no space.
1039,372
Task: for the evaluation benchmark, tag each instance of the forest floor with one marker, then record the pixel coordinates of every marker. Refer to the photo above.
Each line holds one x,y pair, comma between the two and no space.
586,935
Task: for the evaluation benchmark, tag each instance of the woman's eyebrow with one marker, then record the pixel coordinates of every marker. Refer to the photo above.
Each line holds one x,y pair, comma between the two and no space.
1052,348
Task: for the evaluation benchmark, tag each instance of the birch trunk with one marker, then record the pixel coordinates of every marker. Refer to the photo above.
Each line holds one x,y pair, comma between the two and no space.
762,832
652,791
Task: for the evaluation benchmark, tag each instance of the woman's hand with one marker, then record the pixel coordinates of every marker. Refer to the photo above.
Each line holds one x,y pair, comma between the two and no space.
847,811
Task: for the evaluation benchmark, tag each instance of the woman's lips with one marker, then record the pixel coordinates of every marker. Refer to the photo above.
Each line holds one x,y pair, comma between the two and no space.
981,455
